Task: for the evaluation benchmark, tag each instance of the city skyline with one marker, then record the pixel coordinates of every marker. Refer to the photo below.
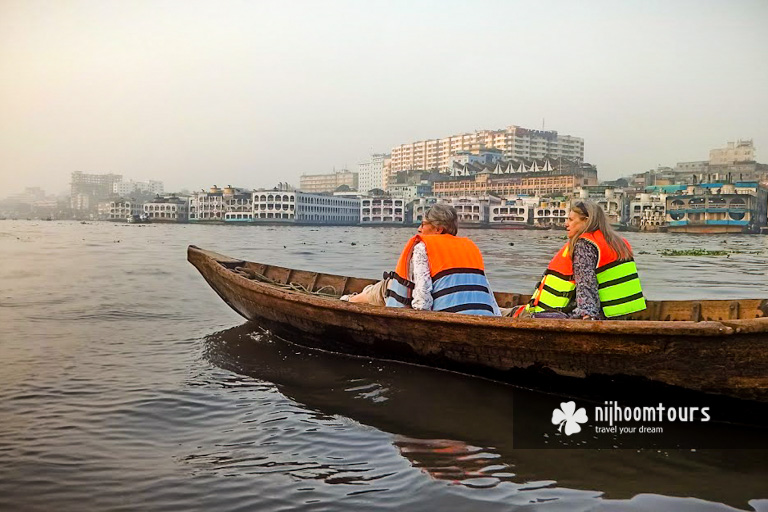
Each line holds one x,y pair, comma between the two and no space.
255,94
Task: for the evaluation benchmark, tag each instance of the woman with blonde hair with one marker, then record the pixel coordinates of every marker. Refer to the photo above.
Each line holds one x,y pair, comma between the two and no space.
593,276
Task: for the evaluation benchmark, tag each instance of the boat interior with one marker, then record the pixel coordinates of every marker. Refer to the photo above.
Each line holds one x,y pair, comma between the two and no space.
336,285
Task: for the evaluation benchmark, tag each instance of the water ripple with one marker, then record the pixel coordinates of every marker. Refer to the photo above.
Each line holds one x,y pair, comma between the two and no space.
124,387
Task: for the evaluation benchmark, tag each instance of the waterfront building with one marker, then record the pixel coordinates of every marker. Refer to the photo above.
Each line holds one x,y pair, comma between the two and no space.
283,204
274,205
514,142
513,212
102,210
551,213
121,209
326,209
420,206
382,210
292,206
215,203
238,205
86,190
613,201
648,211
318,183
167,209
373,174
520,177
472,210
128,188
740,207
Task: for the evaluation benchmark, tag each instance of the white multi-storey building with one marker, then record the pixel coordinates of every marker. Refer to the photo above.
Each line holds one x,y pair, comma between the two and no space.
233,204
372,174
274,205
167,209
550,213
514,142
122,209
299,207
382,210
321,209
472,210
238,206
613,201
513,212
648,211
214,204
421,205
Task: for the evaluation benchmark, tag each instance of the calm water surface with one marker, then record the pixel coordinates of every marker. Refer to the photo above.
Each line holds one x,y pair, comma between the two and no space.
127,384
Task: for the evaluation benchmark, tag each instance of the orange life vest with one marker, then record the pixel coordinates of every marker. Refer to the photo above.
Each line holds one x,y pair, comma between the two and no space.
458,276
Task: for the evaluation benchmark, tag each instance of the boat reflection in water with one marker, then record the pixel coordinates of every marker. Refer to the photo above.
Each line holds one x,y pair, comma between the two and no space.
460,429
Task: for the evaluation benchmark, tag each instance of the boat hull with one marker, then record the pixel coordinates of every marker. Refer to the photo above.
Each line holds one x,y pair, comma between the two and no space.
705,356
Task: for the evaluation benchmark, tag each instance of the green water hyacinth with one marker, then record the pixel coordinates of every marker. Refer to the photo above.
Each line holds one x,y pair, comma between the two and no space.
692,252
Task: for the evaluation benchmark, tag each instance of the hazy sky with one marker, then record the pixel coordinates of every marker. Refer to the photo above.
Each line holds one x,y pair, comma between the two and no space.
250,93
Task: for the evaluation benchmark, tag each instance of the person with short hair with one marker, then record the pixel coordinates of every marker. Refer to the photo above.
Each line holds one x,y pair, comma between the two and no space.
437,270
593,276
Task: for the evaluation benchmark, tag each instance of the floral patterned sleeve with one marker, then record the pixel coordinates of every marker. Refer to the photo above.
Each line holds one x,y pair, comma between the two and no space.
585,258
422,280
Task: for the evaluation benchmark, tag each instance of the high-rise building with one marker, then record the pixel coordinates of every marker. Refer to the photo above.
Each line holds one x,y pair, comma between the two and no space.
372,173
514,142
88,189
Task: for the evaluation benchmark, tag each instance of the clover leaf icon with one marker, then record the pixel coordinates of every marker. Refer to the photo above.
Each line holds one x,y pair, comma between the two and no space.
569,417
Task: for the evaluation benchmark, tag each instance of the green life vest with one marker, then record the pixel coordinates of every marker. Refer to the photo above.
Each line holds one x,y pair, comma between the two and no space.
617,282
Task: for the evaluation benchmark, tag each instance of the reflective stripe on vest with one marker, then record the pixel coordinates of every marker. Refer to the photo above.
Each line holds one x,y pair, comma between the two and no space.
619,289
459,284
466,291
557,287
618,283
398,295
400,289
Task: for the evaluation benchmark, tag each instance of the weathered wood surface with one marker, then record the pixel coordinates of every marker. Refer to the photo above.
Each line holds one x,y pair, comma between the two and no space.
727,357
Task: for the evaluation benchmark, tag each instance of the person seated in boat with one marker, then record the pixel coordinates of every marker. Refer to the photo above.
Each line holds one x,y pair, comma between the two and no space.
593,276
437,271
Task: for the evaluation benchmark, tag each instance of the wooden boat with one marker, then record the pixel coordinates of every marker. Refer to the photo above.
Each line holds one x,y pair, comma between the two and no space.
711,346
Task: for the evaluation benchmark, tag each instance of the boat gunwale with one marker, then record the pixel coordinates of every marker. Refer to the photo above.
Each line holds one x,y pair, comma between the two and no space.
670,328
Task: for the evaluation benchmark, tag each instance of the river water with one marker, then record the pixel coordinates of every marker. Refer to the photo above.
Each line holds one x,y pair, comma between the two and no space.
127,384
